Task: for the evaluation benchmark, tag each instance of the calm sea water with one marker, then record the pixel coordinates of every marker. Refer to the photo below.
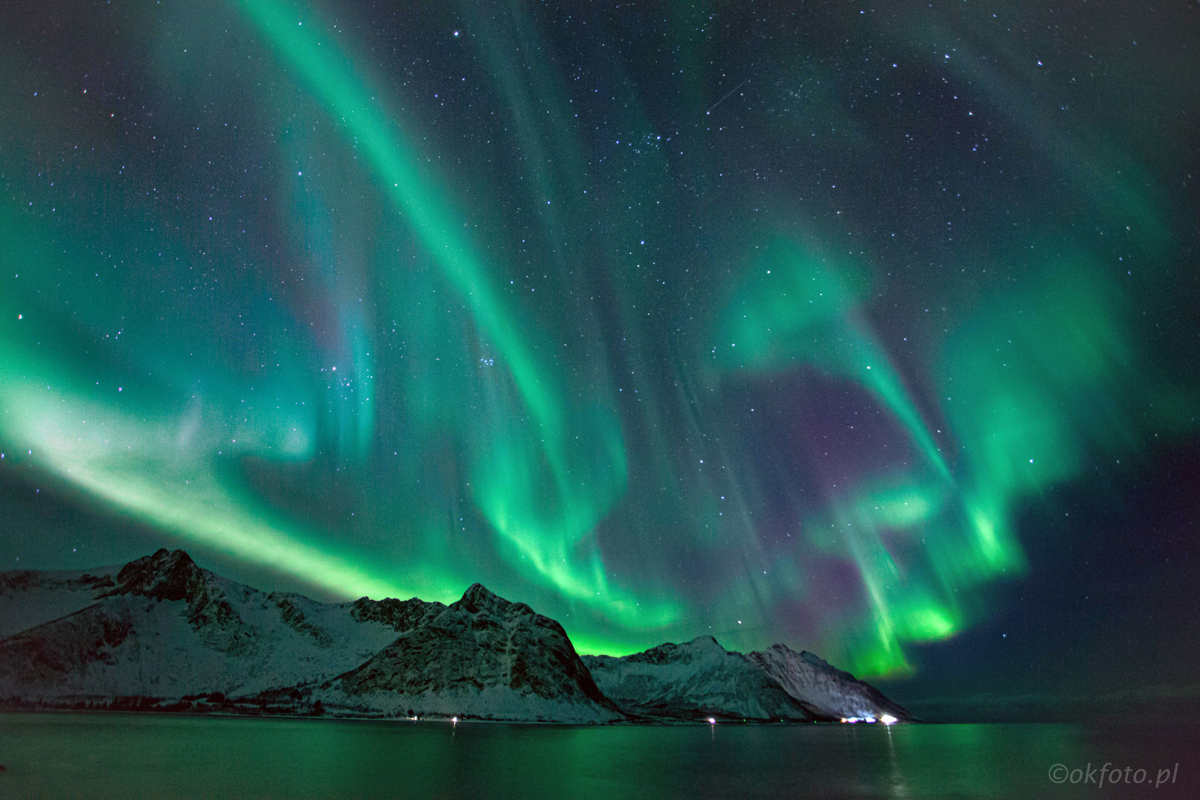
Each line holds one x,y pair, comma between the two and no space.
161,756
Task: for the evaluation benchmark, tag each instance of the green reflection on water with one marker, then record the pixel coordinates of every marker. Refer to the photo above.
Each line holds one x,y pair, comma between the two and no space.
129,755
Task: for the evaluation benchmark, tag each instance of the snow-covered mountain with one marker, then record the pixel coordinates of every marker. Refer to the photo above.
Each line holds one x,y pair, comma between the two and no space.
160,632
694,681
700,679
829,691
162,627
482,656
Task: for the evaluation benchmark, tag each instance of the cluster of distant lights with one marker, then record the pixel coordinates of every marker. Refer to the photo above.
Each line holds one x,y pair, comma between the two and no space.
886,719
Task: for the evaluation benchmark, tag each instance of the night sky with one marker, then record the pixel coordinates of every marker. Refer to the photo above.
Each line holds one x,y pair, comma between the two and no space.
867,328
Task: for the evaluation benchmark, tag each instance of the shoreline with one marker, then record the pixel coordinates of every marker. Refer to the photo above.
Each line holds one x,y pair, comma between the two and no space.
337,715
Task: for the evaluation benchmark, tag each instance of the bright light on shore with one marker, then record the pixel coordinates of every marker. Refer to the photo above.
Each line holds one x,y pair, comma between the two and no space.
712,721
888,719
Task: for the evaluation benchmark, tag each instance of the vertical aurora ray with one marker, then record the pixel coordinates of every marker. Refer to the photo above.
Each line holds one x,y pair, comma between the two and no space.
333,258
540,487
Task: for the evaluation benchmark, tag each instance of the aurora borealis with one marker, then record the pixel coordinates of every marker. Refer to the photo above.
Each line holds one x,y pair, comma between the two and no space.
781,322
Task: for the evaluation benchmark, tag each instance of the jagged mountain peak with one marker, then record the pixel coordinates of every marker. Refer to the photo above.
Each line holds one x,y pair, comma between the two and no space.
165,575
173,576
479,594
478,598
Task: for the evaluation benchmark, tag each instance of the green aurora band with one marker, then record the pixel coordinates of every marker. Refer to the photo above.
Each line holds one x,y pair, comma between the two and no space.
439,358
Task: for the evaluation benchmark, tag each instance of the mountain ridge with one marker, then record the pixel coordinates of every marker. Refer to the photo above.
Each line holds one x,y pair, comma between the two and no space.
163,633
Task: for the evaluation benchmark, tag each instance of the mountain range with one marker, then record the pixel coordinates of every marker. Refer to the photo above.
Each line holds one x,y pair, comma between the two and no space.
161,633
